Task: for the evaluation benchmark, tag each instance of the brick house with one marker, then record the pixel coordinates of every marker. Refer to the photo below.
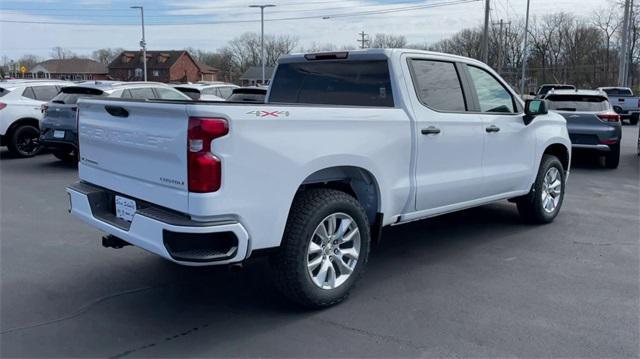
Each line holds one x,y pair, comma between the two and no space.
162,66
69,69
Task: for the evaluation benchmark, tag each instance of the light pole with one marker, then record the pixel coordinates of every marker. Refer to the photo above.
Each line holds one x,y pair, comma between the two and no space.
262,34
143,43
524,50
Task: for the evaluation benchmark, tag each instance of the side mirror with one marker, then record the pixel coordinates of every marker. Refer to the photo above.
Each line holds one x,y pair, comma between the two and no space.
533,108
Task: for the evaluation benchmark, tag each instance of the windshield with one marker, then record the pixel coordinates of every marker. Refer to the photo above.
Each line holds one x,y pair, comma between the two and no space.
580,103
4,91
71,95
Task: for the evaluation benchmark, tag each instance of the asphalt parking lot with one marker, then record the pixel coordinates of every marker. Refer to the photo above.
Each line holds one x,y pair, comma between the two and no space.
472,284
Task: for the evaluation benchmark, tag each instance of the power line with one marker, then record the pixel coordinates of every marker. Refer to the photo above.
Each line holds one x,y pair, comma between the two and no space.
328,16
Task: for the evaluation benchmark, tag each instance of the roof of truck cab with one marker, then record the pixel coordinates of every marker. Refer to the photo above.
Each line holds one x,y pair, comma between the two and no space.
372,54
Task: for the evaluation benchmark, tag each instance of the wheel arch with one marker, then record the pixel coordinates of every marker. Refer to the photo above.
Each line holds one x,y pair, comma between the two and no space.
354,180
560,151
21,122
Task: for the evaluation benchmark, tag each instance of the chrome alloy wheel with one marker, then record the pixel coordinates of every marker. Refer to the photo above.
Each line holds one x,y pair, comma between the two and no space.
551,190
333,251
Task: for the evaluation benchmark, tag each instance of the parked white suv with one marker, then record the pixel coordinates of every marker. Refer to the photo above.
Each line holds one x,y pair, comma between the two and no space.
21,110
207,91
345,144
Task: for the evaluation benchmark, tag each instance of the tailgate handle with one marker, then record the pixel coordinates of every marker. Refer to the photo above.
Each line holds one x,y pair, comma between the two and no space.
117,111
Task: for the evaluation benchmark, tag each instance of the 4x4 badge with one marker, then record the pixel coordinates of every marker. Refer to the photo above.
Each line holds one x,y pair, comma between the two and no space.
263,113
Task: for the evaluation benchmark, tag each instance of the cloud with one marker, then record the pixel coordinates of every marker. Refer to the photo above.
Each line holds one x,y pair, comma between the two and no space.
419,26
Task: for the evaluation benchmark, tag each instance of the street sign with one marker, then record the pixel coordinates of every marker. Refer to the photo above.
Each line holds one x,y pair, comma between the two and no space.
23,70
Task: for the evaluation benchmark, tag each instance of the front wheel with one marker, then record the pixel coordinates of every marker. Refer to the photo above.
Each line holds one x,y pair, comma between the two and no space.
324,249
24,141
543,203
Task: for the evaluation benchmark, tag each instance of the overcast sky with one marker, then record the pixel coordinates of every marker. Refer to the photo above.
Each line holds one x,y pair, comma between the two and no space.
86,25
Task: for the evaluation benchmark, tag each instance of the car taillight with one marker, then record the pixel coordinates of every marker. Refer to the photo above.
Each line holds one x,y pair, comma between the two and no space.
2,105
205,169
609,117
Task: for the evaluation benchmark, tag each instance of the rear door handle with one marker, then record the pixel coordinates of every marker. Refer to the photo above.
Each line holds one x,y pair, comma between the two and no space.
431,130
117,111
492,128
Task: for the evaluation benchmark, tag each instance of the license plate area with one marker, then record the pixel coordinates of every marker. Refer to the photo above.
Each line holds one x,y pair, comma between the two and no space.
125,208
58,134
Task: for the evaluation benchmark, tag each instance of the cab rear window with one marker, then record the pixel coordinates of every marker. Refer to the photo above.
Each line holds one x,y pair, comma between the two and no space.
350,83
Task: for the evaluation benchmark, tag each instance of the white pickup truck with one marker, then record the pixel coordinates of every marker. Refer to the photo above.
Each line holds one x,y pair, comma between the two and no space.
345,144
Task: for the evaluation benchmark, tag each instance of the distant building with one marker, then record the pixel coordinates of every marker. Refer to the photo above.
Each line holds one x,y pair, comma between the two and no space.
70,69
162,66
253,76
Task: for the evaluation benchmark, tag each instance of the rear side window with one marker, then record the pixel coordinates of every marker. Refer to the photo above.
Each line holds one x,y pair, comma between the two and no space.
350,83
45,93
578,103
3,91
437,85
28,93
492,95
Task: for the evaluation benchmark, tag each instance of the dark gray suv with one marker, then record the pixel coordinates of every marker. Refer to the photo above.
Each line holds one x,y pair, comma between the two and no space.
593,125
58,128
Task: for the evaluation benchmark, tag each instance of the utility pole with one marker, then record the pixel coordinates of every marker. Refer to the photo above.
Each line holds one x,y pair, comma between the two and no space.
262,35
524,50
622,65
364,41
485,36
143,43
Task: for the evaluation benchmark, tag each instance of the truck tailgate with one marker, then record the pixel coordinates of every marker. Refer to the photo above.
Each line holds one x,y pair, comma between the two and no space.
136,148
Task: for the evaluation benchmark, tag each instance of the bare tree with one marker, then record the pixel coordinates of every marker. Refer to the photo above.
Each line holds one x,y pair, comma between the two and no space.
28,61
106,55
60,53
607,20
387,41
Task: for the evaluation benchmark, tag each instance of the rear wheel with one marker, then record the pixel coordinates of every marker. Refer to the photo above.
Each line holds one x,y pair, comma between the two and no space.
66,156
612,158
634,118
324,249
543,203
24,141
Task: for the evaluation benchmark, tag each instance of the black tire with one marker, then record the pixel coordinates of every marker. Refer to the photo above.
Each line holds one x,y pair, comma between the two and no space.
634,119
66,156
612,159
289,264
530,206
24,141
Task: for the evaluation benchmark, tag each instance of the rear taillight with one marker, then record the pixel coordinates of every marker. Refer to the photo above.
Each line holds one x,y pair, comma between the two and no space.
2,105
609,117
205,169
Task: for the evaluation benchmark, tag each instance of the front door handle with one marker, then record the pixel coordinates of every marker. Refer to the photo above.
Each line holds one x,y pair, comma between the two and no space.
431,130
492,128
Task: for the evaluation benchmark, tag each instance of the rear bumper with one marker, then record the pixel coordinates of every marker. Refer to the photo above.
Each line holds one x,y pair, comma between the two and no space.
168,234
68,142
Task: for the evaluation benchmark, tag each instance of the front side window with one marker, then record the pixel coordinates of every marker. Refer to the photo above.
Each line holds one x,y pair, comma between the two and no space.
437,85
492,95
348,83
45,93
